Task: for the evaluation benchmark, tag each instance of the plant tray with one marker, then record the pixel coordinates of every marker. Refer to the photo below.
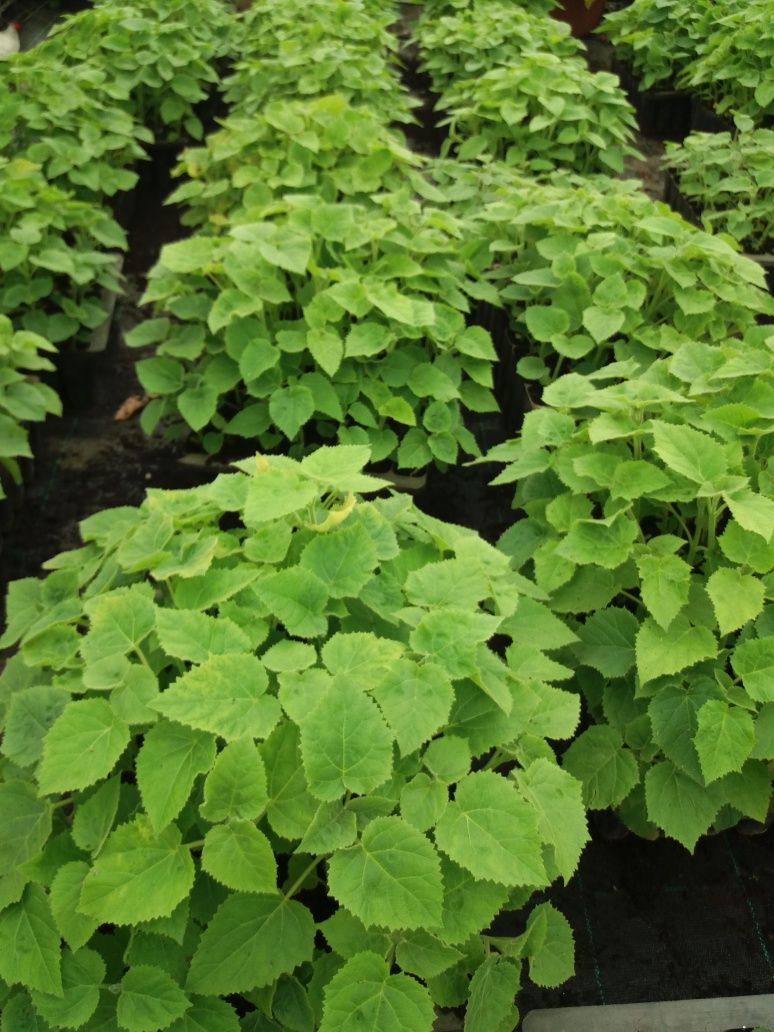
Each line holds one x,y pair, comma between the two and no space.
726,1014
663,114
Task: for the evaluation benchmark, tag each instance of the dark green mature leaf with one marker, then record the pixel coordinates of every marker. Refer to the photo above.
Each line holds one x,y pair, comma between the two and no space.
391,878
26,824
138,875
607,641
29,943
599,760
364,992
251,940
168,763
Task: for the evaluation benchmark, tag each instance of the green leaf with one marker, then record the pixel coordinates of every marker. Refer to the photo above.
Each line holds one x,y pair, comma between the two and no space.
491,996
169,761
240,856
684,809
448,758
347,935
689,452
451,638
274,493
468,903
345,744
605,543
82,746
327,349
26,824
74,927
94,815
416,700
746,548
391,878
752,512
82,976
225,695
291,806
753,661
736,597
422,801
198,405
607,770
549,946
665,583
603,323
343,559
207,1016
290,408
29,943
31,713
149,1000
297,598
724,738
607,641
492,832
118,623
193,636
235,788
545,322
138,876
662,652
558,801
332,827
363,994
422,954
249,943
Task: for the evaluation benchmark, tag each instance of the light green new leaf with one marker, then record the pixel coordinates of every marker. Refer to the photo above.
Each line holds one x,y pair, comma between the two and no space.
724,738
249,943
491,996
661,652
149,1000
25,821
169,760
607,770
665,583
752,512
753,661
29,943
684,809
492,832
736,597
391,878
689,452
343,559
451,638
82,746
188,634
225,695
345,743
416,700
549,946
240,856
558,800
138,875
82,976
607,641
363,994
745,548
235,788
277,492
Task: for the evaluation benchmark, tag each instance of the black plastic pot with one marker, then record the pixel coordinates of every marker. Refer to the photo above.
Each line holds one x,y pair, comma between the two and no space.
705,120
677,201
663,114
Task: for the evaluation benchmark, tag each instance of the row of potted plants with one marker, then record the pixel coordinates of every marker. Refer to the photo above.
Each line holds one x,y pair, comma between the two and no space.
261,766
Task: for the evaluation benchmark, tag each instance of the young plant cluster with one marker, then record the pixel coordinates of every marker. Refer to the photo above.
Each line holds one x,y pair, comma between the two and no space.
730,183
522,93
324,294
259,770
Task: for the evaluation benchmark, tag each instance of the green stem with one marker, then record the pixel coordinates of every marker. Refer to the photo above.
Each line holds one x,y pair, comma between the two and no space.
196,844
62,802
302,877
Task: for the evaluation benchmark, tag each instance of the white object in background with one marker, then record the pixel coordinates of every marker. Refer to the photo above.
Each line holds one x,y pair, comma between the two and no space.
714,1015
9,40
